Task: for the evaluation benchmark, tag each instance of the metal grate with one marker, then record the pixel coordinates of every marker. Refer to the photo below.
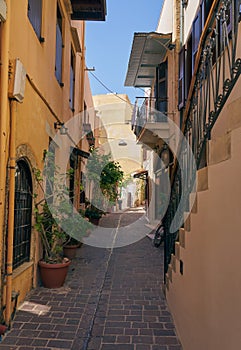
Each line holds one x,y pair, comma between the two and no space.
22,214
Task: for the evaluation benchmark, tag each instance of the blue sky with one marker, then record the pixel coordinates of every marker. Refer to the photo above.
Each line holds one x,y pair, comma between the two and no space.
108,44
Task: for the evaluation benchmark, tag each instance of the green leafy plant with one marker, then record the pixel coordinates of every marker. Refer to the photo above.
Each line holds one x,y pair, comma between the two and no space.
106,176
93,212
110,179
56,220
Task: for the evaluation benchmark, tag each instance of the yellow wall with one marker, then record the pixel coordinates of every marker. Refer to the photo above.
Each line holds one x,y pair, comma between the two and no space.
45,100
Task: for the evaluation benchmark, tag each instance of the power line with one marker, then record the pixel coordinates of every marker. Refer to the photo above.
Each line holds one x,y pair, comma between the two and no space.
112,92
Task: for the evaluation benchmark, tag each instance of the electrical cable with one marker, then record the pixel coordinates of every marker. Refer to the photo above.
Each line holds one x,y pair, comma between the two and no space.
112,92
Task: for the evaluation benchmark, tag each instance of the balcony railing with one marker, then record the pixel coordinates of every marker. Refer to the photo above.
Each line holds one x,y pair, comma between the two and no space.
145,114
216,71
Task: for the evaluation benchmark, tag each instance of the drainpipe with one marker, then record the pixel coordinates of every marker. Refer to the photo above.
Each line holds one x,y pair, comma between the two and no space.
4,141
82,84
11,166
82,81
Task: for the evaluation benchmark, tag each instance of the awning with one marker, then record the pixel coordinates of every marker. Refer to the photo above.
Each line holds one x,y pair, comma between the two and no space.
148,50
140,173
88,10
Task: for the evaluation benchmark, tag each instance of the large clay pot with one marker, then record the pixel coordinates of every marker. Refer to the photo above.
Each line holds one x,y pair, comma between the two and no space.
53,275
70,250
95,221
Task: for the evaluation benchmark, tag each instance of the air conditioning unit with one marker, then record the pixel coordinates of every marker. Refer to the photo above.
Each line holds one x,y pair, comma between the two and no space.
3,11
17,80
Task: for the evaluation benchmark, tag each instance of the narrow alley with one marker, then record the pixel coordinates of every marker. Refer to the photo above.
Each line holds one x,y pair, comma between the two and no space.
112,299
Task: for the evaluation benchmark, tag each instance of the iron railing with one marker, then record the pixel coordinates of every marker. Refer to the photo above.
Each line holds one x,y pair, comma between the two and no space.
217,69
146,113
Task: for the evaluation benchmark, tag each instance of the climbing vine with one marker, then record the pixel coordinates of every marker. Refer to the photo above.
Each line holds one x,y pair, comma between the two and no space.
105,174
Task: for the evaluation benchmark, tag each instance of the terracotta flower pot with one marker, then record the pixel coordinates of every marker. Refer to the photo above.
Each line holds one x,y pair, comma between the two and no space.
95,221
53,275
70,250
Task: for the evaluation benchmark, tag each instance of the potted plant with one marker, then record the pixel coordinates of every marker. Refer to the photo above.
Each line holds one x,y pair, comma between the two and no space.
55,221
93,213
53,267
70,247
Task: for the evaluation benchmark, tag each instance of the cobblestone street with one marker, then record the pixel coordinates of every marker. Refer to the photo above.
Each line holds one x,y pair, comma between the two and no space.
112,299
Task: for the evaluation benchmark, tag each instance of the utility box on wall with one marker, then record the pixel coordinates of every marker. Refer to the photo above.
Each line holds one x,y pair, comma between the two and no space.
17,80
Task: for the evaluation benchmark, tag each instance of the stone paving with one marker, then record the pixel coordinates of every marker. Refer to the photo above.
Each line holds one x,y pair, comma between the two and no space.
112,300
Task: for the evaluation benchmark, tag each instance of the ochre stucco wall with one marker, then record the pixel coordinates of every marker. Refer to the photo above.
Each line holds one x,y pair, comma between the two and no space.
205,300
34,118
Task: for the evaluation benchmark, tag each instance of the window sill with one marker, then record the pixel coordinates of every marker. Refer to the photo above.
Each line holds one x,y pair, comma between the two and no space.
19,270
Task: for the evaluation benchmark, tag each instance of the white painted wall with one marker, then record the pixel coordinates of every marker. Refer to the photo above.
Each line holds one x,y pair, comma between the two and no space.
165,24
189,15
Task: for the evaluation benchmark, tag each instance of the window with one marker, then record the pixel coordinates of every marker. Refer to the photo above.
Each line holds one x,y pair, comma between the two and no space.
72,80
86,115
188,66
181,79
82,187
59,47
22,214
161,88
206,7
224,30
233,14
35,16
229,17
203,14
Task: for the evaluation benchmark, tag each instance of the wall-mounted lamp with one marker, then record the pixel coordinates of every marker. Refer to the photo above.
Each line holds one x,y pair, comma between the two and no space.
90,69
122,143
60,126
171,46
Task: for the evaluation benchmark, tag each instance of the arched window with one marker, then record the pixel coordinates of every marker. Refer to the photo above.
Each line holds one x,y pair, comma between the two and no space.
22,214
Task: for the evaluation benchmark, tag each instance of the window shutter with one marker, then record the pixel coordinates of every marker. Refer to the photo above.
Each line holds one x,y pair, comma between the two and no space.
59,48
181,79
196,34
35,15
188,66
161,88
72,78
71,92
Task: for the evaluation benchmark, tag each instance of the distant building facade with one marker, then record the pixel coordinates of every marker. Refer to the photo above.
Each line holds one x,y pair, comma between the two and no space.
116,138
